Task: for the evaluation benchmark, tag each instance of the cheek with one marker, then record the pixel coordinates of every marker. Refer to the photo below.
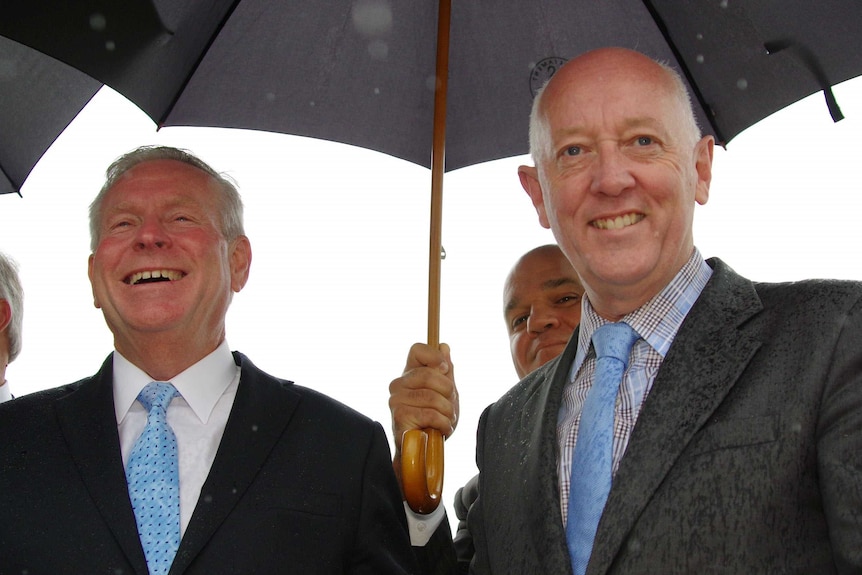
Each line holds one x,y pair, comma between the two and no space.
516,346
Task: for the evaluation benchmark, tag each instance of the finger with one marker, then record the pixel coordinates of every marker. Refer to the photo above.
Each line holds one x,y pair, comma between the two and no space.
423,355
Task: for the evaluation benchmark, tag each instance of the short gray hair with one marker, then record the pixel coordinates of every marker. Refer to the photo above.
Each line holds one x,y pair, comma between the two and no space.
231,203
540,132
12,292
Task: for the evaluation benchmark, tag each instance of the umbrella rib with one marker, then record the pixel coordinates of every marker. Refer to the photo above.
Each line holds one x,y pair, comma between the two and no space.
167,112
684,68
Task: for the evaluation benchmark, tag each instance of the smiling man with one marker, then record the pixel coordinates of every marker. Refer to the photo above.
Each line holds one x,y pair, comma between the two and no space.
697,422
179,454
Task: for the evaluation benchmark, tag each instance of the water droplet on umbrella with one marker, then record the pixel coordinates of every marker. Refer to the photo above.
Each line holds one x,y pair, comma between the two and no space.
742,83
722,4
270,97
110,45
372,17
699,58
98,21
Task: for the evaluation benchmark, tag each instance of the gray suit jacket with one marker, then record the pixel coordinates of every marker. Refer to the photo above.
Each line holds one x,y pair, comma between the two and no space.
746,456
300,484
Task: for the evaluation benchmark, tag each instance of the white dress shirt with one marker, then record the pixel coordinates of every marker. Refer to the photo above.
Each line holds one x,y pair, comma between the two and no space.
198,418
5,392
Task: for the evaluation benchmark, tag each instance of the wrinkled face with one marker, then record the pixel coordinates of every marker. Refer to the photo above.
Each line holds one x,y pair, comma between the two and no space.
542,299
162,265
619,188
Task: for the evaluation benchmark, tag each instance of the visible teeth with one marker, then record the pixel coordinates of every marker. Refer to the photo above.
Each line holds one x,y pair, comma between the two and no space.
169,275
618,222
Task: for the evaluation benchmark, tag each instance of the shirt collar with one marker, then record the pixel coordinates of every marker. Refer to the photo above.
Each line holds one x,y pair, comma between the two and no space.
658,320
5,392
201,385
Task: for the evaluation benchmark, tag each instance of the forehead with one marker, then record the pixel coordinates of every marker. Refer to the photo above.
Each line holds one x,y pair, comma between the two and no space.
616,89
536,274
159,182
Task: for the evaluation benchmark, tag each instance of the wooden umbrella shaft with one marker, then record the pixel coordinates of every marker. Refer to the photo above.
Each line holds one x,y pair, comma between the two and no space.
422,449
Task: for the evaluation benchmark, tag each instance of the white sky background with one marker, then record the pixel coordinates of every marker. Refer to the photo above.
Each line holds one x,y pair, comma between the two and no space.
339,236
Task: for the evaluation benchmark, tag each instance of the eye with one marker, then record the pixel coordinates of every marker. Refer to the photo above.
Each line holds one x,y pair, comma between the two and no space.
644,141
568,298
519,320
573,151
119,224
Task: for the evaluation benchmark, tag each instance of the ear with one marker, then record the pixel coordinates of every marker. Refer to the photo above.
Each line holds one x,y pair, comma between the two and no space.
91,274
529,176
703,165
5,314
240,262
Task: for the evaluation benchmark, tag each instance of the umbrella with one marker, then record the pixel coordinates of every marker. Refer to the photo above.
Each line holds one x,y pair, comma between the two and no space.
364,72
40,97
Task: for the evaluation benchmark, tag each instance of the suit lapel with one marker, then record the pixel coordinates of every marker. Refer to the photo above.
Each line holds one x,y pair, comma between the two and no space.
260,413
704,362
544,516
88,423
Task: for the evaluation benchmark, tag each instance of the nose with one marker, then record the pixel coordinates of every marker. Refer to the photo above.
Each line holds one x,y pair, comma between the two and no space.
541,319
151,233
611,171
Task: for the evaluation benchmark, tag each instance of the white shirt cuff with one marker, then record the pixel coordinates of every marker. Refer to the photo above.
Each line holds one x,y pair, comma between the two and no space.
422,527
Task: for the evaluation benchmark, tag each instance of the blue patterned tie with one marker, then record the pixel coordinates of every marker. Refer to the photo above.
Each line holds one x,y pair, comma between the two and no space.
592,462
152,473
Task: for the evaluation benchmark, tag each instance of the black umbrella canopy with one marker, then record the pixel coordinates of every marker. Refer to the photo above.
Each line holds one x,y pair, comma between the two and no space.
40,97
363,72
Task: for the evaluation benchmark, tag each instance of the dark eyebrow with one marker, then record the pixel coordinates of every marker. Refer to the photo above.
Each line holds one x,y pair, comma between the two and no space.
549,284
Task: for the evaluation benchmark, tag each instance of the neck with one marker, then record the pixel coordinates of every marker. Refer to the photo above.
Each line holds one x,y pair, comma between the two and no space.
163,359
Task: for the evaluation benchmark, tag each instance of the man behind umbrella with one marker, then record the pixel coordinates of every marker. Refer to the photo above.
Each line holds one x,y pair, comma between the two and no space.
732,439
11,320
178,454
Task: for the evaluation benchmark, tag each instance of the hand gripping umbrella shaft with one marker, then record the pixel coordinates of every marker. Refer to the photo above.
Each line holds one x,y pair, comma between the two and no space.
422,449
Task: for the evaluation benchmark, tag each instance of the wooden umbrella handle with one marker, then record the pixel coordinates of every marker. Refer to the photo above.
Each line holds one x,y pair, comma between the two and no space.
422,449
422,469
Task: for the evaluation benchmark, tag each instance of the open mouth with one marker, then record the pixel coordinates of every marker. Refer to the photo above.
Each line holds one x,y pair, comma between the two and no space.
152,276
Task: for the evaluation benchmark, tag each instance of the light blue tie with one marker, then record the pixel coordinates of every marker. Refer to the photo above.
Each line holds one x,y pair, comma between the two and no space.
592,462
152,473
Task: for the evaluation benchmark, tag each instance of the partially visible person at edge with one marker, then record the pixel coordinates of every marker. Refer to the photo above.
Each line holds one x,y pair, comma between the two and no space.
541,307
11,320
737,427
272,477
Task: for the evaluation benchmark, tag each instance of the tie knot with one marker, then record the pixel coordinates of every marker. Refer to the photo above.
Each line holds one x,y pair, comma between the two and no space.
615,340
157,394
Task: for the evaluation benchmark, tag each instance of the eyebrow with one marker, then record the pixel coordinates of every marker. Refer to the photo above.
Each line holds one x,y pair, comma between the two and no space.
627,123
549,284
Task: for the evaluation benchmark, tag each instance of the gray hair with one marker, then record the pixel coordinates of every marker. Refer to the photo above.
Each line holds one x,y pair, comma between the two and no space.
12,292
541,145
231,203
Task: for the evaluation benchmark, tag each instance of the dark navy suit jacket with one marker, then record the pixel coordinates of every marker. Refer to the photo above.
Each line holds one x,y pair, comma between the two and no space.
300,484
